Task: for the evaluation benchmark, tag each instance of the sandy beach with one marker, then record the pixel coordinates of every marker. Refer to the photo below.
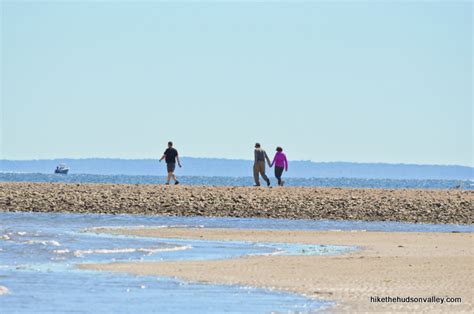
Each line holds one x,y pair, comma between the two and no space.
385,265
419,206
416,265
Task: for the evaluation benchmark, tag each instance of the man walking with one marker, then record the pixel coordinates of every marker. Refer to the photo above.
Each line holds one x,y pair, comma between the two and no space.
259,165
171,156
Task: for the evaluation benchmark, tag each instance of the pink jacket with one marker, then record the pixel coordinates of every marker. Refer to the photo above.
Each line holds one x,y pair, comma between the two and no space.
280,160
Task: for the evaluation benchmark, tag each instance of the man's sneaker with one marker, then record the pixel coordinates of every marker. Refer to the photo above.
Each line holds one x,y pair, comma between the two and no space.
176,183
282,183
167,183
256,185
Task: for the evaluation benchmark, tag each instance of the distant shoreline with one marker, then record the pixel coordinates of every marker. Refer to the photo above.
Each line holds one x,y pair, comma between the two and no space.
415,206
193,166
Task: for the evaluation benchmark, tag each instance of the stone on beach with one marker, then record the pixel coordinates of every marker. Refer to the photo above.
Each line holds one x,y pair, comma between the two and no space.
407,205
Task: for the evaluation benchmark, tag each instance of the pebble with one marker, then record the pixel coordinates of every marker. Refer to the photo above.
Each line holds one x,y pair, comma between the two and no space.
406,205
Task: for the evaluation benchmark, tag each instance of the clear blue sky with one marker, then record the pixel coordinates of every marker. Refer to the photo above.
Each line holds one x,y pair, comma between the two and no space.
342,81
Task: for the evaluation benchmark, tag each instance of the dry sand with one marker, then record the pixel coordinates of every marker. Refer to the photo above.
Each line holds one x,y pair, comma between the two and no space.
387,264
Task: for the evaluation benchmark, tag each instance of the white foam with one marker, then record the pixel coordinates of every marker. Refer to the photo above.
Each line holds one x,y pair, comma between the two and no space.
176,226
21,233
277,252
61,251
5,237
150,251
4,290
98,229
52,242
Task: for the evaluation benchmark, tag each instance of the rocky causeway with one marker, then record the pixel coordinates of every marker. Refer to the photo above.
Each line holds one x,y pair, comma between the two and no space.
405,205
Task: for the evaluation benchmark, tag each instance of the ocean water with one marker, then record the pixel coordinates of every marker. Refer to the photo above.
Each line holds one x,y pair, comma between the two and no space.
238,181
39,251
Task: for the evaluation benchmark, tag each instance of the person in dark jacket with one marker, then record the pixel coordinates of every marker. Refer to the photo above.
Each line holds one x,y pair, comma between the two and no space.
171,157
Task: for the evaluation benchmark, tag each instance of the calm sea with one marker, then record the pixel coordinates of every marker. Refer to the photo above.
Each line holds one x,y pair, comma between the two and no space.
38,254
239,181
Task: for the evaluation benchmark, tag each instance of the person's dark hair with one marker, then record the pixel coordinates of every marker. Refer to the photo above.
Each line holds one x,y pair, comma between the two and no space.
279,149
170,143
257,145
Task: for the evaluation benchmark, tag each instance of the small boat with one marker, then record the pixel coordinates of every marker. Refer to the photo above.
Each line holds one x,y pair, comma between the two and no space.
61,169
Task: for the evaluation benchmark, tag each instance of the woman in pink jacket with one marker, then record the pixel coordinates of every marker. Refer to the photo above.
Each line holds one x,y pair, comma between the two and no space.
280,163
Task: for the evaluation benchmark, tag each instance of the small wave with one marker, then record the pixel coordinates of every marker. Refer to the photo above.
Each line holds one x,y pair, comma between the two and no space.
276,252
5,237
21,233
353,230
150,251
52,242
4,290
61,251
176,226
101,228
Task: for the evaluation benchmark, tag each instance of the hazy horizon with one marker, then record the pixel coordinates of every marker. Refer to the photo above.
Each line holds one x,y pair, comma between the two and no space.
210,167
236,159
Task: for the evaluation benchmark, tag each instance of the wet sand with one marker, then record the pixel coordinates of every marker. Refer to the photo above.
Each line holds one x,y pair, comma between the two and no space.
420,206
386,264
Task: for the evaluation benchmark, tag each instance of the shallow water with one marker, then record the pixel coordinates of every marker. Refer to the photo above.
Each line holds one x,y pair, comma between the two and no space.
238,181
38,252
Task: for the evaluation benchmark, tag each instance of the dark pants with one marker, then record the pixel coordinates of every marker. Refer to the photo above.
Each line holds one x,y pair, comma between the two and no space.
278,173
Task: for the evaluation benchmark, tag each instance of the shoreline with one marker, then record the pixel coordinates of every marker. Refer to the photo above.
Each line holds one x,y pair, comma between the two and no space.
314,203
386,264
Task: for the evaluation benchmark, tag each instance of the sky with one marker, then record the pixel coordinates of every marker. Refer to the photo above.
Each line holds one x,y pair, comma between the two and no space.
352,81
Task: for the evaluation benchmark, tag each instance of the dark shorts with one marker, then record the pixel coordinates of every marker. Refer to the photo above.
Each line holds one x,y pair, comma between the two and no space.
171,166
